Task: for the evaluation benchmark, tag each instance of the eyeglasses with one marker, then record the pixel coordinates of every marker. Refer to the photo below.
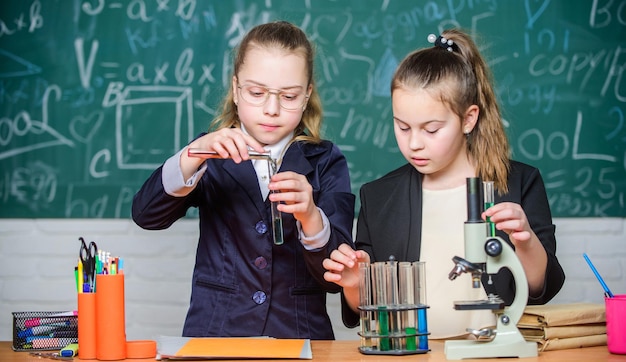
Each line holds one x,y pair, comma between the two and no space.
257,95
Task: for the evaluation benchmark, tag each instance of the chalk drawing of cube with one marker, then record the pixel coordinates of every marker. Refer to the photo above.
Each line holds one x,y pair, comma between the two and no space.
152,123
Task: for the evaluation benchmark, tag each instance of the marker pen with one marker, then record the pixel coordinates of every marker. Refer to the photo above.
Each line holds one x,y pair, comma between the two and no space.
44,329
47,343
53,318
71,350
76,277
81,276
56,334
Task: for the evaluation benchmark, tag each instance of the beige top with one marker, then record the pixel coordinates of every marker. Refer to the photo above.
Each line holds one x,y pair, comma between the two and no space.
444,213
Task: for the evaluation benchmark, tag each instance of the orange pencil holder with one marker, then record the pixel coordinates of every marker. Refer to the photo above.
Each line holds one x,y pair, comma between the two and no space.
87,325
110,318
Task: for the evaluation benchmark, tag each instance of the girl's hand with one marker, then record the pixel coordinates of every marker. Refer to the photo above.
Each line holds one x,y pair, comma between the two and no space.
296,197
342,268
511,218
228,143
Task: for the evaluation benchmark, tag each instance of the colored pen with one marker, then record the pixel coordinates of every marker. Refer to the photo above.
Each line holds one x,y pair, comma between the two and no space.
69,333
60,334
76,277
43,329
70,350
73,333
30,339
48,343
607,291
81,276
54,318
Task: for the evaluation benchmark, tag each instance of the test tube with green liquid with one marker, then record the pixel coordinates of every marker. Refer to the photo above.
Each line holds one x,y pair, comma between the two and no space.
406,286
277,219
394,316
489,202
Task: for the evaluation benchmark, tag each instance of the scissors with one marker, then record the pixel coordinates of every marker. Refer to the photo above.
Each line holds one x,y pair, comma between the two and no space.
51,355
88,256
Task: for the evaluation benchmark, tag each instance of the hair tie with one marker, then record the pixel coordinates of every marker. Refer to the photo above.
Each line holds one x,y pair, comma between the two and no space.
442,42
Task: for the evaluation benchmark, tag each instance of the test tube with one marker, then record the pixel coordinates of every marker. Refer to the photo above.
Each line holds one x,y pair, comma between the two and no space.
391,277
201,153
365,301
489,202
407,288
380,298
419,273
277,219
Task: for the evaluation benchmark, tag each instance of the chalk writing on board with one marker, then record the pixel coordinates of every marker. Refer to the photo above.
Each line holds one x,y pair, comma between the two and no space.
95,96
23,124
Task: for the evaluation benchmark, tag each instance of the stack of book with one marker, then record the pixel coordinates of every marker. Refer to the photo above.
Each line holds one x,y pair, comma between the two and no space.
564,326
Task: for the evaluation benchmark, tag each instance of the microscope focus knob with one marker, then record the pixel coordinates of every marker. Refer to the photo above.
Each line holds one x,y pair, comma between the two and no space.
493,247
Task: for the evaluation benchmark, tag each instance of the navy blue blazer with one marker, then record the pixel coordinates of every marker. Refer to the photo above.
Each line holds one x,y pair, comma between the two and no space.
390,223
243,284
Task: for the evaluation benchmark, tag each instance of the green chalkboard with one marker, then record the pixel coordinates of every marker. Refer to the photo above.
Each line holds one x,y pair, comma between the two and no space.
95,94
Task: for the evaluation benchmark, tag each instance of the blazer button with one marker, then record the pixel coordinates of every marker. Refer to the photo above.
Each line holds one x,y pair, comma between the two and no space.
260,262
260,227
259,297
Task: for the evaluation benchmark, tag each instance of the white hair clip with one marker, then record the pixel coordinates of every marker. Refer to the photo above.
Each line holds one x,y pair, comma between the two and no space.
442,42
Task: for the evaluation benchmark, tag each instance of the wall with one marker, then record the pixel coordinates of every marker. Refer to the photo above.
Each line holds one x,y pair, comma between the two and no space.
37,259
95,95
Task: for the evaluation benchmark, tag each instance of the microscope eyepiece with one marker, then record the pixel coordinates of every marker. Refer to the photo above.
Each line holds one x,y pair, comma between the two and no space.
474,200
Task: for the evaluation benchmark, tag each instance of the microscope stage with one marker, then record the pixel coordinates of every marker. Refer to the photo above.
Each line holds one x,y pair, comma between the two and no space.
478,304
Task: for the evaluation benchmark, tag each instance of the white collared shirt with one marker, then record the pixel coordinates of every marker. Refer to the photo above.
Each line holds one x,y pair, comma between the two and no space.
262,168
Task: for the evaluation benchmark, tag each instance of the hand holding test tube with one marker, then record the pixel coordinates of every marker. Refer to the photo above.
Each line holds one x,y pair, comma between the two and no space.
272,168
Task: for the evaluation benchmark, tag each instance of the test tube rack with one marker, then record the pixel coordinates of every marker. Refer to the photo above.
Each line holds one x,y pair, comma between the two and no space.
392,311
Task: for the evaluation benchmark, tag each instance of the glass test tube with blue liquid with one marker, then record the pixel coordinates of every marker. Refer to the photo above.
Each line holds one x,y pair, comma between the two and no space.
419,275
412,281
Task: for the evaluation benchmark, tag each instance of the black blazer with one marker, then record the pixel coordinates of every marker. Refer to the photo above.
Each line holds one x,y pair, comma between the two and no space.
243,284
390,217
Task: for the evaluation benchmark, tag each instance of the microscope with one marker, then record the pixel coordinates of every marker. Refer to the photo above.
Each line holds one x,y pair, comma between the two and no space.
487,253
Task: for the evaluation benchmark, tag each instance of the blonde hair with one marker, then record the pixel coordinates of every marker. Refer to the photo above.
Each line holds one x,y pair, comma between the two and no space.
461,78
289,38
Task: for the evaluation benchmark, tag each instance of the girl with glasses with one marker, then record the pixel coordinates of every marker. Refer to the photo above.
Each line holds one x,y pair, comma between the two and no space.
243,283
